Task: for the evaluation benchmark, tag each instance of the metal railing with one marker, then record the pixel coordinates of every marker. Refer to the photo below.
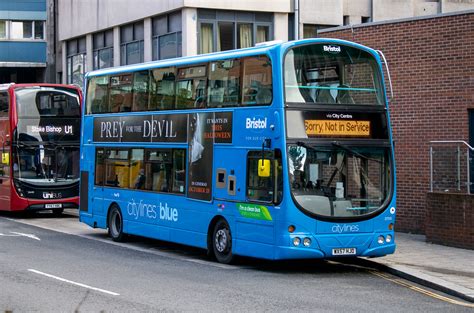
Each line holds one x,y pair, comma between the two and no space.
450,166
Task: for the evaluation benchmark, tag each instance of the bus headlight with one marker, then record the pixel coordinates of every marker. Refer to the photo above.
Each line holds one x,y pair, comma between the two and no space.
307,242
388,239
381,239
296,241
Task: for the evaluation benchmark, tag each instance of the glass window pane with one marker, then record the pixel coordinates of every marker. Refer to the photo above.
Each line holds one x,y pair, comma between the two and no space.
257,82
174,22
78,69
3,29
160,25
109,38
140,91
117,173
154,45
259,188
138,31
126,33
39,30
137,169
180,47
263,34
21,30
191,87
105,58
179,170
97,94
99,167
98,40
133,53
244,35
225,36
158,169
168,46
121,93
162,89
207,38
81,44
224,83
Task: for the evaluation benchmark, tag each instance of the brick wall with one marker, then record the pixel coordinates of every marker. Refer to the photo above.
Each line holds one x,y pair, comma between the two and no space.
450,219
432,67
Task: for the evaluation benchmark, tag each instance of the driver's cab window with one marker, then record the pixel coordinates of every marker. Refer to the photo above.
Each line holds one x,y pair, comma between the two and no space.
264,189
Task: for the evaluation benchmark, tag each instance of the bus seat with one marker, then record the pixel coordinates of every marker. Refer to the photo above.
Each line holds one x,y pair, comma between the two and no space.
315,204
341,208
325,96
343,95
264,95
116,101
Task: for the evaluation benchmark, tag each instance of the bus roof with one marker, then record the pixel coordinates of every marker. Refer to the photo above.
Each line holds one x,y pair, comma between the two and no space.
4,87
259,49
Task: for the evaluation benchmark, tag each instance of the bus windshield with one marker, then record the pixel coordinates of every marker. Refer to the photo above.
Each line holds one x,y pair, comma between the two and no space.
47,101
338,180
40,164
332,75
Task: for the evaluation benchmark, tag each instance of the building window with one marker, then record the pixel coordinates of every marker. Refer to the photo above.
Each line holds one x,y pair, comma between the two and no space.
346,20
167,42
131,43
366,19
76,61
226,30
103,49
3,29
311,30
27,30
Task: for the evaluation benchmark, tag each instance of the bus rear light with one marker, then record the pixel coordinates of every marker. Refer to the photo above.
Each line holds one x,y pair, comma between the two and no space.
291,228
296,241
307,242
381,239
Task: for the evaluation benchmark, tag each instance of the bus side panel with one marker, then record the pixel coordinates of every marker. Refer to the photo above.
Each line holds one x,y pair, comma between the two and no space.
161,216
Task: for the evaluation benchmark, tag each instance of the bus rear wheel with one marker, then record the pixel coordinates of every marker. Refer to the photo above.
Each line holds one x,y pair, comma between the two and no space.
222,242
115,223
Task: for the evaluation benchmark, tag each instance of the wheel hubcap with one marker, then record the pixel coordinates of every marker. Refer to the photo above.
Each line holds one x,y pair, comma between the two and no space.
221,240
116,224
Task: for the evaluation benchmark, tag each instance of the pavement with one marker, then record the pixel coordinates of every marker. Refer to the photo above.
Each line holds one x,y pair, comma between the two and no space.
447,269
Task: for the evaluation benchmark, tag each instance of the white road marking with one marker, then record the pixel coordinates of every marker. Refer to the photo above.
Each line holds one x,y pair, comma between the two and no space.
15,234
74,283
26,235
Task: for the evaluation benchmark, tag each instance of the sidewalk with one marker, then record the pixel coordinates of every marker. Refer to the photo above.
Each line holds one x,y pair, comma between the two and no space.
450,270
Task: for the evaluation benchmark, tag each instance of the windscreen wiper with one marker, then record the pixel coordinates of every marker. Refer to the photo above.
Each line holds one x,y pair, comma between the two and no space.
352,151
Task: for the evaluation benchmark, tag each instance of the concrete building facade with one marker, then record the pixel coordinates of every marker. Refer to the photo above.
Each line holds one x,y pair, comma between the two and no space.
94,34
23,40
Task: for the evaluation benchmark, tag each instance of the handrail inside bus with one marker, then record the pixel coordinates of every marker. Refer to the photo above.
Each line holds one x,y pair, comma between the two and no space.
388,72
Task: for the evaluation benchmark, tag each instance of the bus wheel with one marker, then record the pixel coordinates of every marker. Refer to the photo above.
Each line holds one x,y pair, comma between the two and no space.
115,223
222,242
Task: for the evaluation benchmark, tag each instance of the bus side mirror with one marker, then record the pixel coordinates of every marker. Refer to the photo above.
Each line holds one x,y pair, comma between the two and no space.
263,168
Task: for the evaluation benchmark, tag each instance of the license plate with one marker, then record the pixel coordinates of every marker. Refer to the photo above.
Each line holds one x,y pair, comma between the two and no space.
344,251
53,206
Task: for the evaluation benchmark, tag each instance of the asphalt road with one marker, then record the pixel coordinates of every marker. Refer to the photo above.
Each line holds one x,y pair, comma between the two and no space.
75,268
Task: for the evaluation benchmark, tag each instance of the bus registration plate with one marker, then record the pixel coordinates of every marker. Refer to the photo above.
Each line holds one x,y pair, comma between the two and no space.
53,206
344,251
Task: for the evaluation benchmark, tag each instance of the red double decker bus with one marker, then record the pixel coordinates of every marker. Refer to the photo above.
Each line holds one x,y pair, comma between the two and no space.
39,138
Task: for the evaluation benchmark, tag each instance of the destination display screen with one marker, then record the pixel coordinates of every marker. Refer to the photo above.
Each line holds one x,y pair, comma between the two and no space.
337,128
315,124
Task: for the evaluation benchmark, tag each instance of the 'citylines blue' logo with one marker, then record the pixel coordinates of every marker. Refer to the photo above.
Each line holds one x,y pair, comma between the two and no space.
345,229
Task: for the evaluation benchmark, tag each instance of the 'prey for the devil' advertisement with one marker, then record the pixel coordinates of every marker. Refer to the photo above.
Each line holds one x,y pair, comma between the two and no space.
199,130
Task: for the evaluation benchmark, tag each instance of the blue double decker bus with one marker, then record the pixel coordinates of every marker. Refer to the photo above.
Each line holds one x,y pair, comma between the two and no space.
280,151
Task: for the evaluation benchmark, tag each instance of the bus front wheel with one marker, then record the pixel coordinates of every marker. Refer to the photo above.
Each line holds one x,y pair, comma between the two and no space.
115,223
222,242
